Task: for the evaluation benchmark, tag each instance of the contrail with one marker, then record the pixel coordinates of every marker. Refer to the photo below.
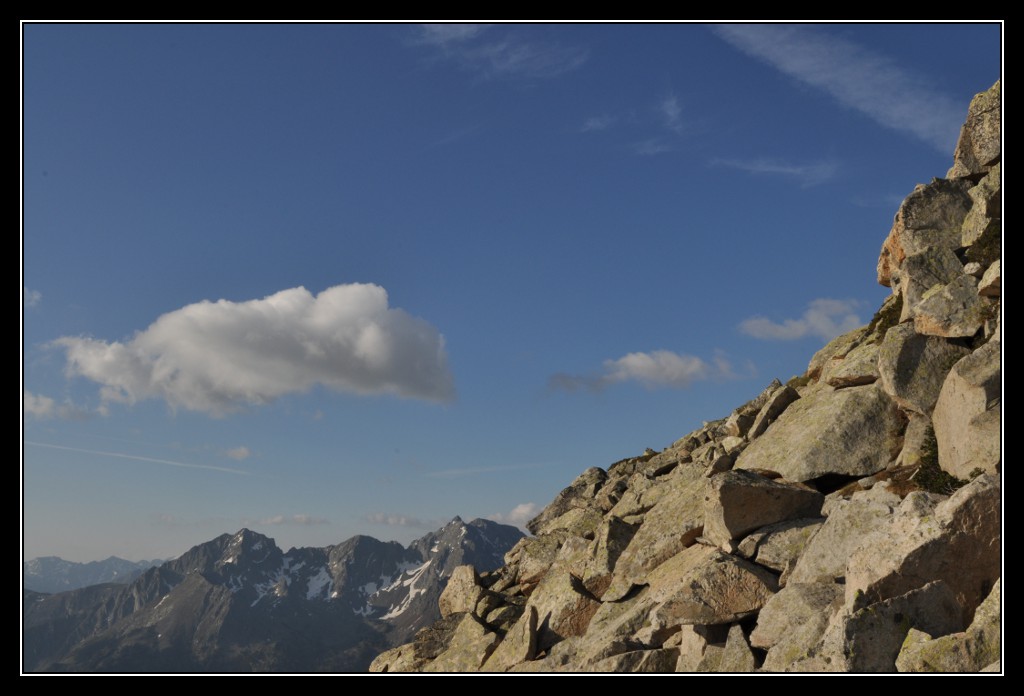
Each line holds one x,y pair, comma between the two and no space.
225,469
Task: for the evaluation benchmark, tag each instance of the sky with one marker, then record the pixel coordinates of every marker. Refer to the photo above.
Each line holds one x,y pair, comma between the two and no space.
321,280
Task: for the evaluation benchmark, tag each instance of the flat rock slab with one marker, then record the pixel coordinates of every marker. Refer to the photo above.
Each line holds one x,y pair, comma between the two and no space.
737,502
853,432
913,367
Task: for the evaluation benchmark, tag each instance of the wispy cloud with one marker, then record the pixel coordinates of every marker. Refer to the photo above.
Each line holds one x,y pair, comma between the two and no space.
659,368
31,298
518,516
391,519
474,470
855,76
824,318
671,112
807,174
598,123
300,520
217,357
119,455
475,47
43,407
651,146
239,453
449,34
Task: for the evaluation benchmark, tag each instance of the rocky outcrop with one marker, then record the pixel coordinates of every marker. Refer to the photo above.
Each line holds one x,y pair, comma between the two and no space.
847,521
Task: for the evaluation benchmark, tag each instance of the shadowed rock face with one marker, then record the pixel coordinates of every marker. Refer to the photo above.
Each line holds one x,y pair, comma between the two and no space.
713,556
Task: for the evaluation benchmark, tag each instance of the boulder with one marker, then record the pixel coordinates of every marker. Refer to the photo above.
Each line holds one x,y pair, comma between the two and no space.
639,661
859,366
849,523
613,537
985,216
462,593
980,137
518,645
737,502
967,651
838,347
954,310
564,607
956,540
930,217
933,267
913,367
853,432
869,639
772,409
470,646
674,523
991,281
967,414
779,546
792,622
737,656
579,494
702,585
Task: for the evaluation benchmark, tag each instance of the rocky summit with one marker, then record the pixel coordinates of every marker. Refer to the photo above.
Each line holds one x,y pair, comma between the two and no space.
848,521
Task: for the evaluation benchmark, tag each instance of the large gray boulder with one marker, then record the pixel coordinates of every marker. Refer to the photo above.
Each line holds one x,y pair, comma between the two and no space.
954,310
702,585
930,217
966,651
737,502
956,540
779,546
980,137
792,622
579,494
931,268
853,432
913,367
967,414
985,215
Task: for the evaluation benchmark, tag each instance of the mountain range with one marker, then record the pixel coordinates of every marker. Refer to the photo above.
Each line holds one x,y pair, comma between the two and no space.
238,603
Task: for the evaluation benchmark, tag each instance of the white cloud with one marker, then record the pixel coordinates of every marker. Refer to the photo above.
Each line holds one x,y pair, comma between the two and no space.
598,123
508,56
395,520
217,357
855,76
659,368
824,318
30,298
301,520
518,516
42,407
808,174
239,453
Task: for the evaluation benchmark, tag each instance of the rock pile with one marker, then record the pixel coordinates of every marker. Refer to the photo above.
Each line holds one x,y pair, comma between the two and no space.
846,521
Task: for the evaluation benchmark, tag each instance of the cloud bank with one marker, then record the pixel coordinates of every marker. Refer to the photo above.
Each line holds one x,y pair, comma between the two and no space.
301,520
854,76
659,368
43,407
824,318
395,520
217,357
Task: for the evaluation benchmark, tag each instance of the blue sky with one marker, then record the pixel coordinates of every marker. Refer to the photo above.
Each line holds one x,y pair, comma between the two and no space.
324,280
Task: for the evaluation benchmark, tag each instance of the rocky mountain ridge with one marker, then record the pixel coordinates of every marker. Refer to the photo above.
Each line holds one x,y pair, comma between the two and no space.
847,521
239,603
